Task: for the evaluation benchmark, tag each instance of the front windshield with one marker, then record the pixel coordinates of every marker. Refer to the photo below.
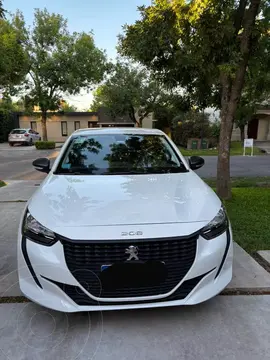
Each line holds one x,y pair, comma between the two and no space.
111,154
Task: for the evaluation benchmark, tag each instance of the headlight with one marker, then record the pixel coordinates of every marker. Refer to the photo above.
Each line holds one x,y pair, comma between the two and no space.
37,232
217,226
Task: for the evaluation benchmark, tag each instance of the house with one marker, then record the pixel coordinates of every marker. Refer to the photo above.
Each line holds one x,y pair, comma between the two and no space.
258,128
61,125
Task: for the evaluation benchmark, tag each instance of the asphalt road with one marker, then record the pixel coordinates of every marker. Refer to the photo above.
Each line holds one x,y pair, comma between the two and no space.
240,166
16,164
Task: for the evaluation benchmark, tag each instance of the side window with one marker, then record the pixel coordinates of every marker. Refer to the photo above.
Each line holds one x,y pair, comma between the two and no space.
64,128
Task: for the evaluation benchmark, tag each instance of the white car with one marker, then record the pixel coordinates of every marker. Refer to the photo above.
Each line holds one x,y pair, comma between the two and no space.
121,222
23,136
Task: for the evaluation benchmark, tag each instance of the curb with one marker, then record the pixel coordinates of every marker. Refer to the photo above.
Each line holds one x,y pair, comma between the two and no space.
226,292
246,291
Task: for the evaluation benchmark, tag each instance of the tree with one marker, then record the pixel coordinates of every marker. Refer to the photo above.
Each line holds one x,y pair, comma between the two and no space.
169,112
257,87
204,47
2,11
7,109
66,107
127,90
61,63
13,60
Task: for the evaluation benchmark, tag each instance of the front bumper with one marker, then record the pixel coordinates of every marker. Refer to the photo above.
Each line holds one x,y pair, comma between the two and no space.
45,278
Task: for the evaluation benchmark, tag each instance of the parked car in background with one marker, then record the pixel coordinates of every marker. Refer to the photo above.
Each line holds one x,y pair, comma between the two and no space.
23,136
122,221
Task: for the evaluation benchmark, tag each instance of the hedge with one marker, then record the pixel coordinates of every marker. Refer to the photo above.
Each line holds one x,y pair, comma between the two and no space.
43,145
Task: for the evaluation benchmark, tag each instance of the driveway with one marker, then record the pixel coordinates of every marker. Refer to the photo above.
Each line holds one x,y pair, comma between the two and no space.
224,328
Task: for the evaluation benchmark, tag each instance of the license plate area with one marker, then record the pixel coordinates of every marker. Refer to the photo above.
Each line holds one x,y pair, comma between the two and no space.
133,274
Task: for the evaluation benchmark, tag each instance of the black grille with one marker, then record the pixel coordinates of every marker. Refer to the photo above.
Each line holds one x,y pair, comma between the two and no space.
84,261
82,299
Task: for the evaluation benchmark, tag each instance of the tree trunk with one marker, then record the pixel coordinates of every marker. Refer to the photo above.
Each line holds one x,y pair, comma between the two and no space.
44,126
230,95
133,117
226,124
242,132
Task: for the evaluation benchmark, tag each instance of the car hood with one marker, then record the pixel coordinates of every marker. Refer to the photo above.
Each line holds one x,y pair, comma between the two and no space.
75,201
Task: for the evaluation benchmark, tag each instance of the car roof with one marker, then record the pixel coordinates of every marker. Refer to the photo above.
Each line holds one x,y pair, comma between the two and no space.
26,129
115,130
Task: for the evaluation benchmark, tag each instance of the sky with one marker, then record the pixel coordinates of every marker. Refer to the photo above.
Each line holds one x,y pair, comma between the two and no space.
104,17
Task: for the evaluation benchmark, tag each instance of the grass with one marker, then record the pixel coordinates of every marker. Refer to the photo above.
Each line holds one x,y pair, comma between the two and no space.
2,183
236,149
249,212
244,182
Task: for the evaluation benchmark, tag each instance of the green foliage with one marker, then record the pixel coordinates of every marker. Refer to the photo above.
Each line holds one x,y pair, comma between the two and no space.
244,182
169,111
194,124
13,60
236,149
7,109
2,11
191,43
2,183
215,129
257,85
66,107
127,90
43,145
251,227
61,62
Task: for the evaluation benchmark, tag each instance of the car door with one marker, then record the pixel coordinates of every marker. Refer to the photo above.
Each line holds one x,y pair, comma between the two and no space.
32,135
37,136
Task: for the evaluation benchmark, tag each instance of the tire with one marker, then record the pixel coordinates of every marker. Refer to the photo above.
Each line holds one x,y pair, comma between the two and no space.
30,142
11,144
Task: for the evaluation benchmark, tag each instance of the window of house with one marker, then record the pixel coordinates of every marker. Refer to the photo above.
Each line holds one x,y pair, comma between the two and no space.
64,128
77,125
33,125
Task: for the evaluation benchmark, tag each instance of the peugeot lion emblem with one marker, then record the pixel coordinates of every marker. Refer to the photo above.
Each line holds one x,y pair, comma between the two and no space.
132,251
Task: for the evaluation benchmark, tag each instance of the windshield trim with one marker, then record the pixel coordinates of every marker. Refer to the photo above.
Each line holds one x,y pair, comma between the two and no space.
182,168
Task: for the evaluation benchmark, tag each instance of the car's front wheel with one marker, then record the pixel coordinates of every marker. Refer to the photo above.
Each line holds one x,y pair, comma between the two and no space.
11,144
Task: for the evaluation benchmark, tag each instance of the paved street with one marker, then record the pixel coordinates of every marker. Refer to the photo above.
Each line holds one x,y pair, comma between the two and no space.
16,164
240,166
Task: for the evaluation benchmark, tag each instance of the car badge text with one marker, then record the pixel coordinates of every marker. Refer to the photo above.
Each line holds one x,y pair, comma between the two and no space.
131,233
132,251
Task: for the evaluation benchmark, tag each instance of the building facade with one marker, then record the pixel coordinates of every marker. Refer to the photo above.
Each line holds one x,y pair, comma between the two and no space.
258,128
62,125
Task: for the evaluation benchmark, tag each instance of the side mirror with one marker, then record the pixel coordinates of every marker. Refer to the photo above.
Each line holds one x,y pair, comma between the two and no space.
196,162
42,164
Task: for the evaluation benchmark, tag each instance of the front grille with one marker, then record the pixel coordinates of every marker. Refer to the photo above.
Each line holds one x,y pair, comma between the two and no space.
84,261
82,299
